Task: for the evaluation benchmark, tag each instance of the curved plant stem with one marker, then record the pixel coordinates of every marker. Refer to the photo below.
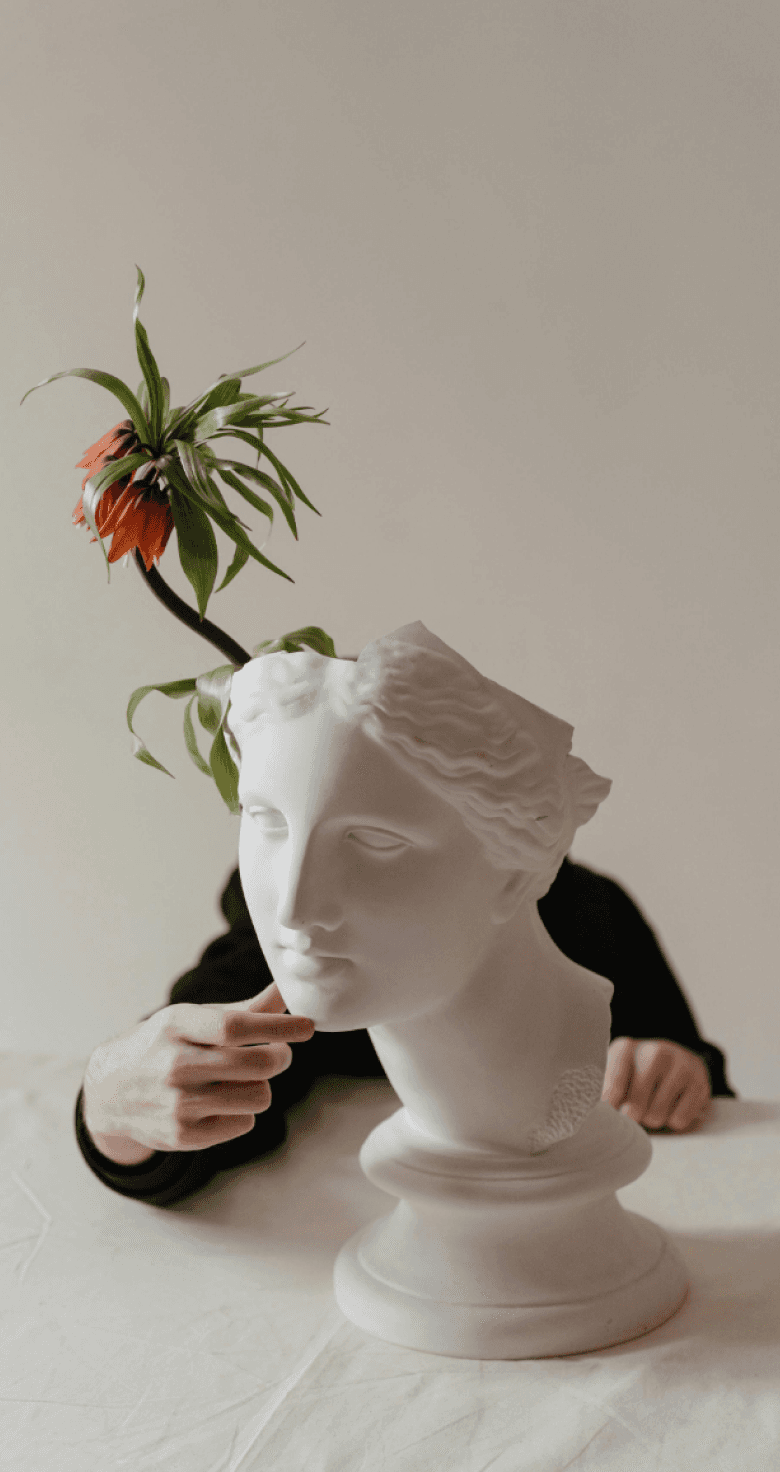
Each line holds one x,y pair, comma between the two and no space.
188,616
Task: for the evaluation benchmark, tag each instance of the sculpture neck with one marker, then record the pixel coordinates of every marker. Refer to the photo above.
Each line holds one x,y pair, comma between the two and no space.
481,1068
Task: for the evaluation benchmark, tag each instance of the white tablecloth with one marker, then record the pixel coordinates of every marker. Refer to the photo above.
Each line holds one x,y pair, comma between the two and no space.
203,1337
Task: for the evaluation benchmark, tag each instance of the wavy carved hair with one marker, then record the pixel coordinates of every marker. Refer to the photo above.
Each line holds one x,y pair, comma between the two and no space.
504,764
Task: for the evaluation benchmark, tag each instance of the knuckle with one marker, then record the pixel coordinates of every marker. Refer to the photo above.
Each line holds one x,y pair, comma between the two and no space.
173,1132
181,1113
280,1059
176,1069
169,1031
176,1018
233,1027
171,1067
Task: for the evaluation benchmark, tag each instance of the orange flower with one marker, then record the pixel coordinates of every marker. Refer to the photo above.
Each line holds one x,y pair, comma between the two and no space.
132,514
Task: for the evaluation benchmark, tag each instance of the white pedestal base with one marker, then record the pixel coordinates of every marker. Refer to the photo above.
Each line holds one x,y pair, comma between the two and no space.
493,1256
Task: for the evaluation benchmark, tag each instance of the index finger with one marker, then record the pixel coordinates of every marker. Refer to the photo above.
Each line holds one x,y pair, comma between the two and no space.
620,1067
652,1065
242,1029
268,1000
233,1025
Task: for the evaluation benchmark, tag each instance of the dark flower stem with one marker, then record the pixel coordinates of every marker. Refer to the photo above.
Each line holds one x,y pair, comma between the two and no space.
188,616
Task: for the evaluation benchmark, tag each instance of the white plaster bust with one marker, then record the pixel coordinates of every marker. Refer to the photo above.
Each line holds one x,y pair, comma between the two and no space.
401,816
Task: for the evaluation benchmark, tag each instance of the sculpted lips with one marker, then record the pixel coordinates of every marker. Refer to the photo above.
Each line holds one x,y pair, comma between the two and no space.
311,964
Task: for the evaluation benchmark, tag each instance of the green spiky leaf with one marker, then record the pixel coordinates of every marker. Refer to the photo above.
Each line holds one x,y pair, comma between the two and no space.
197,546
248,372
190,412
257,501
175,690
148,367
287,478
114,386
224,772
293,643
224,391
213,702
191,741
211,500
196,475
240,559
230,525
214,697
233,468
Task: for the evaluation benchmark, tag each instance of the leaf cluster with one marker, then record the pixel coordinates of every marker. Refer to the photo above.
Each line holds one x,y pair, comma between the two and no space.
178,454
210,695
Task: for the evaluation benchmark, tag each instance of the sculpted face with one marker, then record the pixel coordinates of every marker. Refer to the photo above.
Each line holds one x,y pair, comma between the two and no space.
370,898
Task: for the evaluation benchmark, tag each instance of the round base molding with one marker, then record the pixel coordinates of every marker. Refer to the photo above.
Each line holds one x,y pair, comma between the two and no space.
491,1256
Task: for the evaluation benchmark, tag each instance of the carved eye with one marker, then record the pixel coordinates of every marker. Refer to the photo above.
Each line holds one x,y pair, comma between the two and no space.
377,840
268,820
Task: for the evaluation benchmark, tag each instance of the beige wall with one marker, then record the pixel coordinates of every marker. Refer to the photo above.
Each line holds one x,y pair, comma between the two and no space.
533,248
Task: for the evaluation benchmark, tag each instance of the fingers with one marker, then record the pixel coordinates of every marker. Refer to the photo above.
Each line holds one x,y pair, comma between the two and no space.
691,1110
682,1094
197,1066
666,1088
657,1083
651,1065
212,1130
620,1068
221,1099
226,1026
187,1064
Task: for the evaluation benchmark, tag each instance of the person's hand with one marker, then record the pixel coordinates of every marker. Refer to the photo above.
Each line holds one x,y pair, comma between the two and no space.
657,1083
188,1077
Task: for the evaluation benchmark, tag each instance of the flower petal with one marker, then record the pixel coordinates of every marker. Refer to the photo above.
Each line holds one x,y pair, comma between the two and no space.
105,446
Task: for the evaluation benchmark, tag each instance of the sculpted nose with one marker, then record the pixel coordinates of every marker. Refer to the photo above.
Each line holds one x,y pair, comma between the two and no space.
308,898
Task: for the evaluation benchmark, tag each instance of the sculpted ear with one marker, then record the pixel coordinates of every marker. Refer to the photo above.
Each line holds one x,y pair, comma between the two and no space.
510,897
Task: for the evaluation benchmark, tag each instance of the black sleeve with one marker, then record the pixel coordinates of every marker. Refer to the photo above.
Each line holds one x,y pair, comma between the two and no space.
170,1175
232,969
594,922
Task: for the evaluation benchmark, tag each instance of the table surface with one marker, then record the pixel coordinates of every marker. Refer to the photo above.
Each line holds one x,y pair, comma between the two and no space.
204,1337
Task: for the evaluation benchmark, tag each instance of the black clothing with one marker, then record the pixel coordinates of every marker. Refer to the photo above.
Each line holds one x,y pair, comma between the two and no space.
590,918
